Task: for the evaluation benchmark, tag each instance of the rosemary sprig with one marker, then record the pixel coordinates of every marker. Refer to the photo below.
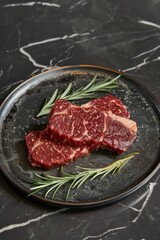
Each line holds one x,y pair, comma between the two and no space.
52,183
87,91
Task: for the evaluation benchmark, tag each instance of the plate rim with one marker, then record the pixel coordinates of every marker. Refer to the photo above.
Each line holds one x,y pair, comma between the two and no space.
155,103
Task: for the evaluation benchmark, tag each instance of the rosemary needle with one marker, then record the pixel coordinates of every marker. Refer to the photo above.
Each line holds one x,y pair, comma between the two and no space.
52,183
87,91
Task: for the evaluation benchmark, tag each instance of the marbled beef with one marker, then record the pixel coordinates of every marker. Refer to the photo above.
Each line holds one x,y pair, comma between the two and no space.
46,153
89,126
109,104
74,131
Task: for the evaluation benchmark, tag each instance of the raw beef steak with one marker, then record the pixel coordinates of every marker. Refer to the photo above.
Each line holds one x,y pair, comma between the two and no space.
87,126
119,133
44,152
109,104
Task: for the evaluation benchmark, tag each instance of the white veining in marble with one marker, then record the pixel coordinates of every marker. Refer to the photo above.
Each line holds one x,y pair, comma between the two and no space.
1,73
9,86
156,59
118,35
149,51
11,51
51,62
150,190
111,18
149,23
133,208
34,72
62,60
31,59
59,60
148,196
81,226
10,67
81,2
28,4
19,35
145,62
62,57
104,233
18,225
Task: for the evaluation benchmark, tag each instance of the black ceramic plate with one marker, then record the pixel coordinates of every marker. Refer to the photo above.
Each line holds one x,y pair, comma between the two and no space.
18,117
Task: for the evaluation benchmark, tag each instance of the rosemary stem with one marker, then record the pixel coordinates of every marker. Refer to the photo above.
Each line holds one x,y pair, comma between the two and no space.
88,91
53,184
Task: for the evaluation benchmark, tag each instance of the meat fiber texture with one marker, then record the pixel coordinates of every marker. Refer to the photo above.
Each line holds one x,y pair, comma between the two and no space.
109,104
91,125
74,131
45,153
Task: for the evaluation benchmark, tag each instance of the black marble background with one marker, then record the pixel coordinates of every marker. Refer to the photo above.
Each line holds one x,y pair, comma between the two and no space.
36,36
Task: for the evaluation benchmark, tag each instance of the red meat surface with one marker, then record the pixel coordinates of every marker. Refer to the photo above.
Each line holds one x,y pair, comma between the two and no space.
89,126
109,104
45,153
74,131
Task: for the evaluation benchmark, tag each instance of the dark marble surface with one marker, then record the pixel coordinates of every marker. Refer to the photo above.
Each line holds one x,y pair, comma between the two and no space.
120,34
